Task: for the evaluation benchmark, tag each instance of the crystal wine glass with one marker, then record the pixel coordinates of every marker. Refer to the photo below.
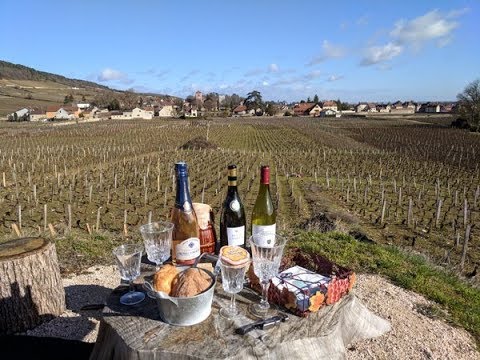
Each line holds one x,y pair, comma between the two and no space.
266,262
128,258
157,237
233,277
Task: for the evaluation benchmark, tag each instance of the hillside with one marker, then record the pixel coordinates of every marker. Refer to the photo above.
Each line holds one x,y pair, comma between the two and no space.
22,86
10,71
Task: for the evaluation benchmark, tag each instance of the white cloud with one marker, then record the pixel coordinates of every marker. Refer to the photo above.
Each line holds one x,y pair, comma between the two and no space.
334,77
379,54
265,83
313,74
432,26
329,51
111,75
273,68
363,20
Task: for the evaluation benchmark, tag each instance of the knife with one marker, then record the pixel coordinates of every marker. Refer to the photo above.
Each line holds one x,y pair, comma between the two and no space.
262,324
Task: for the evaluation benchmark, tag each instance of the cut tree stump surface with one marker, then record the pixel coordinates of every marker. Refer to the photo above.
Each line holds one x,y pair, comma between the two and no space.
136,332
31,289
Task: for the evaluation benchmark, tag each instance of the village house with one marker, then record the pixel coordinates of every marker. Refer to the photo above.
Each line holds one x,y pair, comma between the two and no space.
434,107
329,113
140,113
360,107
371,107
384,108
307,109
241,110
60,112
19,115
167,110
37,115
332,105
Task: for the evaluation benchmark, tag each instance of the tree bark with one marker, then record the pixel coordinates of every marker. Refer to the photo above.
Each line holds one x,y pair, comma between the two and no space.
31,289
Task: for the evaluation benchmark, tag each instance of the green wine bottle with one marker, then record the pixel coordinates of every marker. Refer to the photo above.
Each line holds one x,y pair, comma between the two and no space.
232,220
263,214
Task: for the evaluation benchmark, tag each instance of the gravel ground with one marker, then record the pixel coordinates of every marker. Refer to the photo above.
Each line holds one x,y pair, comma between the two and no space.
413,335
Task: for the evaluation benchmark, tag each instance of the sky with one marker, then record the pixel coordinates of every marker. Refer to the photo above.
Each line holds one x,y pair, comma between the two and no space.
288,50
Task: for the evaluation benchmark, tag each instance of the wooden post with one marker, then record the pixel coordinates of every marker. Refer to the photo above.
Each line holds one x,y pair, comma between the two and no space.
16,230
20,216
52,230
410,212
439,209
69,207
384,208
97,227
125,226
45,217
465,244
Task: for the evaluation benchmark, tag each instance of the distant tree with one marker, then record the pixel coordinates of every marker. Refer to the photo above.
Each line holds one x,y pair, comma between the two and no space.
308,99
254,101
302,101
209,104
271,109
235,100
211,101
83,98
129,99
315,99
68,99
114,105
469,104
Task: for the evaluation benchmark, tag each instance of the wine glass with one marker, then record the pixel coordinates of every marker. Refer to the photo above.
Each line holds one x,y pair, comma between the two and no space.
157,237
232,281
128,258
266,262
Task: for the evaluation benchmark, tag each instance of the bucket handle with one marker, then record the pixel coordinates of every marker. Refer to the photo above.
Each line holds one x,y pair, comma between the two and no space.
159,294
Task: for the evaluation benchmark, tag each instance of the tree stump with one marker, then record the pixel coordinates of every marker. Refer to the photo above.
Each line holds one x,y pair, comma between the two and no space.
31,289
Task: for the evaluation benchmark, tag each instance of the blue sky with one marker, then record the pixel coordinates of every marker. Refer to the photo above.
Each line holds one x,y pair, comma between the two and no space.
287,50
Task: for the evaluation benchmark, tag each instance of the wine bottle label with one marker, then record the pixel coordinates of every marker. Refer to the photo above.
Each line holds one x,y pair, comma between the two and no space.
264,235
188,249
236,235
234,205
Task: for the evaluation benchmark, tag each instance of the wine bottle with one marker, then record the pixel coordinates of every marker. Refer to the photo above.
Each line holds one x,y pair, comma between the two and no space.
232,220
263,214
206,225
185,242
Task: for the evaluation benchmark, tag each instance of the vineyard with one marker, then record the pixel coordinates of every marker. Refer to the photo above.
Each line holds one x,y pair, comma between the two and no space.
412,183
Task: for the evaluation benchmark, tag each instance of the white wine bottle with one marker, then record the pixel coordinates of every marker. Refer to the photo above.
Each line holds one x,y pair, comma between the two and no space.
186,241
263,214
232,220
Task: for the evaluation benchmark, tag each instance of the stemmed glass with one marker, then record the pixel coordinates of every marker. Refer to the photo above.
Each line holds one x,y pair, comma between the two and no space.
233,277
157,237
128,258
266,262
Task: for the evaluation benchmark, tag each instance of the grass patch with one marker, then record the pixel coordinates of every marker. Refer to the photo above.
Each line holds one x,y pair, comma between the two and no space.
78,250
460,301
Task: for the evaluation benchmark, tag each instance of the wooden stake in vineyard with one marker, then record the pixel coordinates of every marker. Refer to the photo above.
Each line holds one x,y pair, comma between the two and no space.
465,244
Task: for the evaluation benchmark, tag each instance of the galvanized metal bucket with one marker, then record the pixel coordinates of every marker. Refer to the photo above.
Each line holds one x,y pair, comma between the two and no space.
185,311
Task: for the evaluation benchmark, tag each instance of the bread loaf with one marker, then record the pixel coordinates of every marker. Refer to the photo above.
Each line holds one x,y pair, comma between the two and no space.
164,278
191,282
